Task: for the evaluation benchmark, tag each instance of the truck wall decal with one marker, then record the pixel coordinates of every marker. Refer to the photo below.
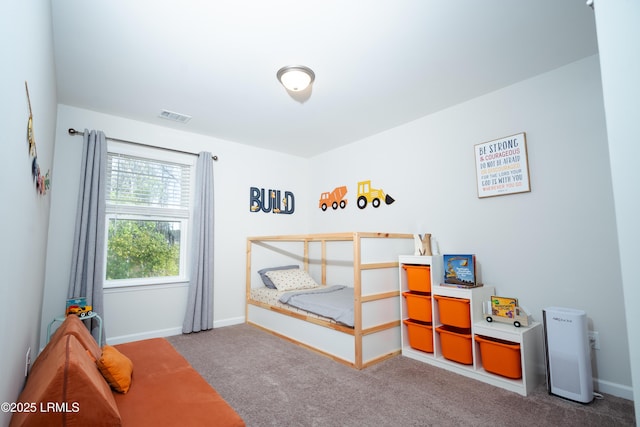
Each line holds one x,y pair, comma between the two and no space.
366,194
336,198
333,198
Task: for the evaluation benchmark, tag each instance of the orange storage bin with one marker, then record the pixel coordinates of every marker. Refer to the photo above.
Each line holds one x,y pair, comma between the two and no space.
456,344
500,357
418,277
418,306
454,311
420,335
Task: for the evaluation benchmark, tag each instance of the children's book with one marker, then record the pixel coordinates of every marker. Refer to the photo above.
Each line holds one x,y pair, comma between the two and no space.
460,270
503,307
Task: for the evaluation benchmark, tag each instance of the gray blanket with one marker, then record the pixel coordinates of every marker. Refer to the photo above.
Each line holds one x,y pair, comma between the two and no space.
334,302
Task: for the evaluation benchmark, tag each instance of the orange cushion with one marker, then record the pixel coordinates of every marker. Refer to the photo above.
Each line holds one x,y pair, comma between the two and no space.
67,379
116,368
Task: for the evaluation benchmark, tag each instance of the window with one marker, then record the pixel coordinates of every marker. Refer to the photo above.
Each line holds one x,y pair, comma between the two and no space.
147,216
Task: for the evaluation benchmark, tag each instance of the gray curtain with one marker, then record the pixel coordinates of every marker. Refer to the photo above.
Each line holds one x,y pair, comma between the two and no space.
87,264
199,315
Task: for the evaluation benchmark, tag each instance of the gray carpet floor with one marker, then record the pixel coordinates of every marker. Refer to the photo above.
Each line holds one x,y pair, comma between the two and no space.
272,382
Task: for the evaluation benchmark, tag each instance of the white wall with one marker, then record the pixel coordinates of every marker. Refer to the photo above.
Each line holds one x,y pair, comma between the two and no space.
618,32
158,311
556,245
27,54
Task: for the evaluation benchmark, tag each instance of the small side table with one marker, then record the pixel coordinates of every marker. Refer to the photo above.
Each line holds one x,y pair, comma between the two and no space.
93,315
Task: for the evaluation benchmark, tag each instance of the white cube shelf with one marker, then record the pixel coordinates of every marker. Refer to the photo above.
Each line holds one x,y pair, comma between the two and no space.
529,338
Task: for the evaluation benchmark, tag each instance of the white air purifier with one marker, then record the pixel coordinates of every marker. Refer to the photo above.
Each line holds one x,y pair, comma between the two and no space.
568,354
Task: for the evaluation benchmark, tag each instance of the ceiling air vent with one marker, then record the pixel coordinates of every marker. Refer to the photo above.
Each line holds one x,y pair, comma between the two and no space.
176,117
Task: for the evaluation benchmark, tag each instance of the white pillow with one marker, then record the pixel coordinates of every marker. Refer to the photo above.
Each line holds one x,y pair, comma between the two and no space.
293,279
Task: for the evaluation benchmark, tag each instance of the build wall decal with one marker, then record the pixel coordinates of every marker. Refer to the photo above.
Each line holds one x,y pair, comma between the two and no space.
366,195
274,201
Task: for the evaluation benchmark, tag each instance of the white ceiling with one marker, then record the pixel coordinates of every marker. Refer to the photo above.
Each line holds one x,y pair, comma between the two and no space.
378,63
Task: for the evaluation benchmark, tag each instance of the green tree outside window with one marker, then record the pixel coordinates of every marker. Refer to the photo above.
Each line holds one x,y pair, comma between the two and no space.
143,248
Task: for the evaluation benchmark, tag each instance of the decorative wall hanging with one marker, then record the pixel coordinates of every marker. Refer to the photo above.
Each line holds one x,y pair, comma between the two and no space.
333,198
366,194
42,181
273,201
502,166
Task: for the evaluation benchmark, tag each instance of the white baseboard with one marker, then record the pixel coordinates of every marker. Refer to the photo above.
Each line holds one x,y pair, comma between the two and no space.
228,322
161,333
614,389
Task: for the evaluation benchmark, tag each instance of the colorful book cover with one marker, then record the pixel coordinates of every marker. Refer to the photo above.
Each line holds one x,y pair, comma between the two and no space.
460,270
503,307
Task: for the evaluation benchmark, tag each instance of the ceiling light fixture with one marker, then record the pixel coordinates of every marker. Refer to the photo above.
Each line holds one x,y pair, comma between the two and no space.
295,78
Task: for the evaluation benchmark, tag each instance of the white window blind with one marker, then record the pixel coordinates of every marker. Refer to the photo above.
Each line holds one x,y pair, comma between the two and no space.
147,218
148,184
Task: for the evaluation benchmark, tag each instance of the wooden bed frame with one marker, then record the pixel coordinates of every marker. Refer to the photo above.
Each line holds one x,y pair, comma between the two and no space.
376,332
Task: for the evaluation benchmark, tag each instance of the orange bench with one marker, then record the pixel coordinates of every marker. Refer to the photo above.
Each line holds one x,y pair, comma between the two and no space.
65,387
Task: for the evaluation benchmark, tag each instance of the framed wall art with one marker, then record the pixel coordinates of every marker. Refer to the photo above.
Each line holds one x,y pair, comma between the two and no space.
502,166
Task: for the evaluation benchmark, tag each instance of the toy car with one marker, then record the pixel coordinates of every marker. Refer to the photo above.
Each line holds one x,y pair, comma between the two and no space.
80,311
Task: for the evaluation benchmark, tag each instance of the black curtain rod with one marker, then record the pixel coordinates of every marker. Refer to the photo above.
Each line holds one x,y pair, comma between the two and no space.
72,131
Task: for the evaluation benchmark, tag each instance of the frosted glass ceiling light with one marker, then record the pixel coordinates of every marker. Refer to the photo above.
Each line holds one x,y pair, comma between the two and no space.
295,78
